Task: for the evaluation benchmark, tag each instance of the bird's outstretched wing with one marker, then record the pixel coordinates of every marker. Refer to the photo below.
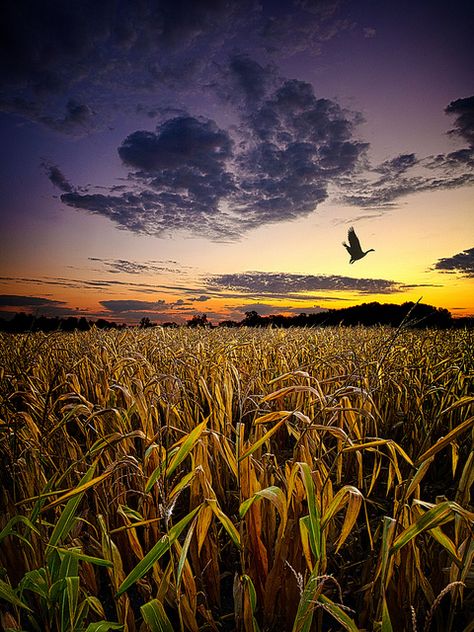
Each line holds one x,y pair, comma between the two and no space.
354,240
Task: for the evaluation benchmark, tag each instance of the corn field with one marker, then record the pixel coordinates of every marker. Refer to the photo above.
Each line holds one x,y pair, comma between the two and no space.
237,479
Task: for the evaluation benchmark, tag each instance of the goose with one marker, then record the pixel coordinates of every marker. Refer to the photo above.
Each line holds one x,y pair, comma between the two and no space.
354,248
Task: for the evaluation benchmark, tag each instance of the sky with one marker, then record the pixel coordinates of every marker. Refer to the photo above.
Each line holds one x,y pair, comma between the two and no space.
172,158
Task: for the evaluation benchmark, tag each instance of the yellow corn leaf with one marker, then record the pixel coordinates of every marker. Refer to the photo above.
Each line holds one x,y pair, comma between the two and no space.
367,444
287,390
78,490
454,456
275,495
447,543
274,416
183,483
304,535
420,473
263,439
463,401
434,517
202,526
444,441
225,521
353,498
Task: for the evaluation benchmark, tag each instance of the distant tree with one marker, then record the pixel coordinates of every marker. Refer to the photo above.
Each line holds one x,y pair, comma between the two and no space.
199,321
145,322
83,324
228,323
253,319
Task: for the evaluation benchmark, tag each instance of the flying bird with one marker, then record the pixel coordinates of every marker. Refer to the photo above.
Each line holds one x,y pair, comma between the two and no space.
354,248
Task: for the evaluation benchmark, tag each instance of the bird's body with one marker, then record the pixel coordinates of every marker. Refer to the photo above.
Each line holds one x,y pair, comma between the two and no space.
353,248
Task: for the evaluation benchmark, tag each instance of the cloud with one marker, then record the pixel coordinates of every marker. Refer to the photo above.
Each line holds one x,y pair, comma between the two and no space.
463,109
57,177
281,284
37,305
15,300
124,48
128,305
198,143
383,185
120,266
200,299
396,166
276,165
265,309
461,263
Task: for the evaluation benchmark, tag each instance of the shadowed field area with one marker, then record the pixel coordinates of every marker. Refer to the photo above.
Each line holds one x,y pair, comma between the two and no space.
250,479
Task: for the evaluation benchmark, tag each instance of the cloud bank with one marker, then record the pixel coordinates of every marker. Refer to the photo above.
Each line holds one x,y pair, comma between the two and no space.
281,284
461,263
191,175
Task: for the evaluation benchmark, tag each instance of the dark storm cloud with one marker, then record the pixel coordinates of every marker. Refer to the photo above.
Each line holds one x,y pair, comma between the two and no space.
191,175
243,80
301,24
200,144
48,45
299,145
77,118
463,109
275,283
53,48
462,263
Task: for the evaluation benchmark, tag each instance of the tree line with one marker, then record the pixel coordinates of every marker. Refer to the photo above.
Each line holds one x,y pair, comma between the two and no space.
418,315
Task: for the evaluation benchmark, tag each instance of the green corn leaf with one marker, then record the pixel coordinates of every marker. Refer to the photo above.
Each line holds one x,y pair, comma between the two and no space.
159,470
8,594
161,547
78,555
307,603
36,581
184,552
155,617
314,525
434,517
103,626
9,530
338,613
68,515
386,622
186,447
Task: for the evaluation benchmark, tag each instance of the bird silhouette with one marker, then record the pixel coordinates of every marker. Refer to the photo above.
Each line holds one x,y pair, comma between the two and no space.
354,248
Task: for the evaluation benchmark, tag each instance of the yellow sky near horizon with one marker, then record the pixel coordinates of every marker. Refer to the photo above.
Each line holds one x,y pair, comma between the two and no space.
407,240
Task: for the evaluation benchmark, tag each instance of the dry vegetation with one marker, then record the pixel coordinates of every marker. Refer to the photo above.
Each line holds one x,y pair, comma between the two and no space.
237,480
